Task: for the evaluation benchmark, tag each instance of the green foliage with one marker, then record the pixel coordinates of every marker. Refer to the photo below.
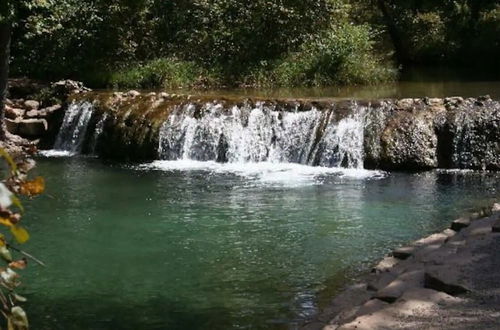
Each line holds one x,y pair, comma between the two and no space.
455,31
341,55
166,73
73,38
179,43
283,42
14,183
237,34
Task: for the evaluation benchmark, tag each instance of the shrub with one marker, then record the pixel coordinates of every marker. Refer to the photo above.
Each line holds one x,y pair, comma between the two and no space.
163,72
342,55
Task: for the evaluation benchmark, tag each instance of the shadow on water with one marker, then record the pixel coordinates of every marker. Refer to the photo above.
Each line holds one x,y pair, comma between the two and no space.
414,82
156,313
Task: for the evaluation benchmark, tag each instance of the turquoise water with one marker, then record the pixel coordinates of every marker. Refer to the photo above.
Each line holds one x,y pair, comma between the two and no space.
204,246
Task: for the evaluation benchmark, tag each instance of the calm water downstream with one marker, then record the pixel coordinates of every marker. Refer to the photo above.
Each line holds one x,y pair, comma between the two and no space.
219,246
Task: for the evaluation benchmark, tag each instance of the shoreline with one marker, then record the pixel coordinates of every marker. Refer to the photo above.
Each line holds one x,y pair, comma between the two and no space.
430,283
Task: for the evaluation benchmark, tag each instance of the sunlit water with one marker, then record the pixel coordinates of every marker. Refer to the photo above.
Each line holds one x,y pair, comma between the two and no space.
200,245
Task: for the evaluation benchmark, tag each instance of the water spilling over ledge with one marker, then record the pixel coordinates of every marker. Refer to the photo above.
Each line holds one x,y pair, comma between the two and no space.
407,134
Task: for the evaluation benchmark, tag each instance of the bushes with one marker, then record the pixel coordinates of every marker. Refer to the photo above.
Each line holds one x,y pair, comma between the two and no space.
163,72
341,55
462,32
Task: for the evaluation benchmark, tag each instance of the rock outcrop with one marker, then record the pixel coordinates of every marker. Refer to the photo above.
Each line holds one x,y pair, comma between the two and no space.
406,134
35,110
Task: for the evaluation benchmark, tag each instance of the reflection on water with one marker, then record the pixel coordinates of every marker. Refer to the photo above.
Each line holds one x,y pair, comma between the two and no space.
403,89
212,246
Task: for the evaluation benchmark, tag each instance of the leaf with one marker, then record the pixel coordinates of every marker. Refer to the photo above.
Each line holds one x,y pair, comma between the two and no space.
18,264
10,278
19,298
19,318
20,234
17,202
5,253
33,187
5,222
5,196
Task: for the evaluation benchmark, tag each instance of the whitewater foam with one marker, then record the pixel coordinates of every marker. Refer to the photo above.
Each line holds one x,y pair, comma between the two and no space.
285,174
56,153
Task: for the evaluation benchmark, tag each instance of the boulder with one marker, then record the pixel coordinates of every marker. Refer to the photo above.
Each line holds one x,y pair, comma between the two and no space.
31,104
480,227
414,304
460,223
409,142
66,87
12,125
385,265
445,279
379,281
471,136
32,114
403,282
32,127
133,93
49,110
13,113
403,252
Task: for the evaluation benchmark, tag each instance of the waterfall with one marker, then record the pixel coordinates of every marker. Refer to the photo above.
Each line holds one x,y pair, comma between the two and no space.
388,134
462,141
261,133
99,128
71,136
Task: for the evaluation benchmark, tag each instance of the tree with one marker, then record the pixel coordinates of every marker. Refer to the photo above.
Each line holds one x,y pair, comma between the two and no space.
5,30
448,31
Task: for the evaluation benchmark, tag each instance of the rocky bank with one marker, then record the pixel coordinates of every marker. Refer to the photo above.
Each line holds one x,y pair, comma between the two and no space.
34,110
448,280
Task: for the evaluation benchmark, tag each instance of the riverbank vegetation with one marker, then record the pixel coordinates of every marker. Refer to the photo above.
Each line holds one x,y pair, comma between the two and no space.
228,43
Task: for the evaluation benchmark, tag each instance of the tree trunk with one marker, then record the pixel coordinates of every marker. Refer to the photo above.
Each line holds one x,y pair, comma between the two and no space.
4,70
401,53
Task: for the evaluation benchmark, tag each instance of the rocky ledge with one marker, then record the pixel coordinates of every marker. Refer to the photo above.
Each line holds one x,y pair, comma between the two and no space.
448,280
35,110
405,134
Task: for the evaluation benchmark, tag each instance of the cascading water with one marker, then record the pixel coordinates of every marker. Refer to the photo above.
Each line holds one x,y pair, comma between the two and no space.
99,128
71,136
461,141
388,134
261,133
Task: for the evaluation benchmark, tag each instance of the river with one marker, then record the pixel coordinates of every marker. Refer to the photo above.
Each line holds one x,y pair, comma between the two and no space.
200,245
